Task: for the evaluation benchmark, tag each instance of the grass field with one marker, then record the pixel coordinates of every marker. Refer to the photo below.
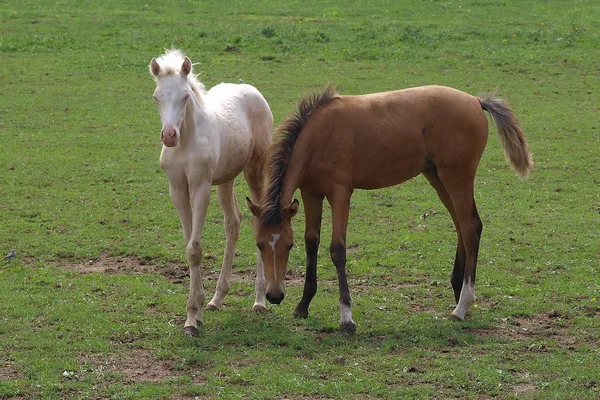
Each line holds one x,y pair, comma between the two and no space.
93,305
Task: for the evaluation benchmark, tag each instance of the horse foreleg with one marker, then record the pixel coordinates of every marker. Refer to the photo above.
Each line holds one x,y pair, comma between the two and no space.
313,211
200,199
181,199
340,209
232,219
260,285
254,178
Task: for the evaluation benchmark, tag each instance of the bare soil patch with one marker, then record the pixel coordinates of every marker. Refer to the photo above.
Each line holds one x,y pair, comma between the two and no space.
135,365
10,372
294,278
523,388
127,265
550,327
174,273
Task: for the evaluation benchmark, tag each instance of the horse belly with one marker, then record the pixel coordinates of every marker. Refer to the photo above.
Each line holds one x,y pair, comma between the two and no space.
234,156
389,168
386,156
246,119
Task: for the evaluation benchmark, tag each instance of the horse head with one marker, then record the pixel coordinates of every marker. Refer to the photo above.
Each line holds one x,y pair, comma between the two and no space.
274,241
172,93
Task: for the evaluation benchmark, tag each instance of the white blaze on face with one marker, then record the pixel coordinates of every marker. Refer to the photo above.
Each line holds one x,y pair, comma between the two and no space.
272,243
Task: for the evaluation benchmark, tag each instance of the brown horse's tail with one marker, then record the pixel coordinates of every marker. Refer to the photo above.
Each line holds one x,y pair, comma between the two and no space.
511,134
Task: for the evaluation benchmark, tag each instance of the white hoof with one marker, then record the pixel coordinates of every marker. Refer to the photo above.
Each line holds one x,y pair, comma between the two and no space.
257,307
213,306
458,315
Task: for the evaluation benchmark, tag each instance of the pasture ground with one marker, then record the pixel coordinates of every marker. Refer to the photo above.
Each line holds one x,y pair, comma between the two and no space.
93,305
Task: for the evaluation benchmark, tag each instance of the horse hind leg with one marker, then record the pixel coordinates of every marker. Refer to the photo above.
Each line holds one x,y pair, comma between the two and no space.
460,190
472,239
232,219
459,259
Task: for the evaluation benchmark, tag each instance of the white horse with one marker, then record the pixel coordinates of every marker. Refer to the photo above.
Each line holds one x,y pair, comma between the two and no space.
208,139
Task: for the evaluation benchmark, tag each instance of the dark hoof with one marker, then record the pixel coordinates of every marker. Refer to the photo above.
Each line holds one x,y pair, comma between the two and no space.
300,313
348,327
190,331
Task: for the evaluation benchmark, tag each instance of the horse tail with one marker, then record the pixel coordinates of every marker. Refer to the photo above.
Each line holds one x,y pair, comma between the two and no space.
513,140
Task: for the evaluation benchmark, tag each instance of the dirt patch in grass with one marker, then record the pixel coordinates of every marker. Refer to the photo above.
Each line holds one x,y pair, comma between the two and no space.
416,307
10,372
127,265
523,388
294,278
540,328
174,273
135,365
352,248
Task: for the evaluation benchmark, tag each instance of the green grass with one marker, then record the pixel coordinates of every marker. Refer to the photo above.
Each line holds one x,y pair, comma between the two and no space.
80,184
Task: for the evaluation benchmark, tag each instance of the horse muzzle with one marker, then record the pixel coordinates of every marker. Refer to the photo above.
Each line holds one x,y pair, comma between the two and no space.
275,298
169,137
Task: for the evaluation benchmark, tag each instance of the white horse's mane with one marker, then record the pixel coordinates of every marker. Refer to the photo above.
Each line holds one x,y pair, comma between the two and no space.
170,64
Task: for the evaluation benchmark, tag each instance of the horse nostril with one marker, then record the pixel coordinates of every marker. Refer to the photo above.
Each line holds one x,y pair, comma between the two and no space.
275,299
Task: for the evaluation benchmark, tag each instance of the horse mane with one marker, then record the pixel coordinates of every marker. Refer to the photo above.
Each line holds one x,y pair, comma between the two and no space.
281,152
170,64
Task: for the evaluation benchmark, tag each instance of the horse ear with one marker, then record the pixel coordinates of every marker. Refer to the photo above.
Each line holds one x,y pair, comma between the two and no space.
254,209
154,67
293,208
186,67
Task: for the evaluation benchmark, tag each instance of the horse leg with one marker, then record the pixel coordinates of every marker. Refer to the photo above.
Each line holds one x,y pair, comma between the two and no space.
260,285
340,210
478,230
200,198
471,240
461,193
233,215
459,260
181,199
254,178
313,211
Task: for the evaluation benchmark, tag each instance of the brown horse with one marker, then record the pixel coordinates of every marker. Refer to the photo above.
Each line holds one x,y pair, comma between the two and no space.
334,144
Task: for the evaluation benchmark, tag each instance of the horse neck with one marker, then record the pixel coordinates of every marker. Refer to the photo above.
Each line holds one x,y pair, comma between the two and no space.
195,114
294,173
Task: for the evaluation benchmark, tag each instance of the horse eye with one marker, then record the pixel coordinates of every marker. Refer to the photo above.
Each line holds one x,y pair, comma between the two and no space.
186,97
260,246
155,99
290,246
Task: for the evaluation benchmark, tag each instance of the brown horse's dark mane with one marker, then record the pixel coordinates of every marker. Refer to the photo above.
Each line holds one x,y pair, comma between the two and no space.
281,152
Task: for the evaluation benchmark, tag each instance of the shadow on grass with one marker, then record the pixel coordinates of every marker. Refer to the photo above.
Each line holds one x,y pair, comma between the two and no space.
235,335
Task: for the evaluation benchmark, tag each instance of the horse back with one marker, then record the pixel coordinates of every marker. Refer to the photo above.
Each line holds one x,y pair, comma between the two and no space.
245,125
384,139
